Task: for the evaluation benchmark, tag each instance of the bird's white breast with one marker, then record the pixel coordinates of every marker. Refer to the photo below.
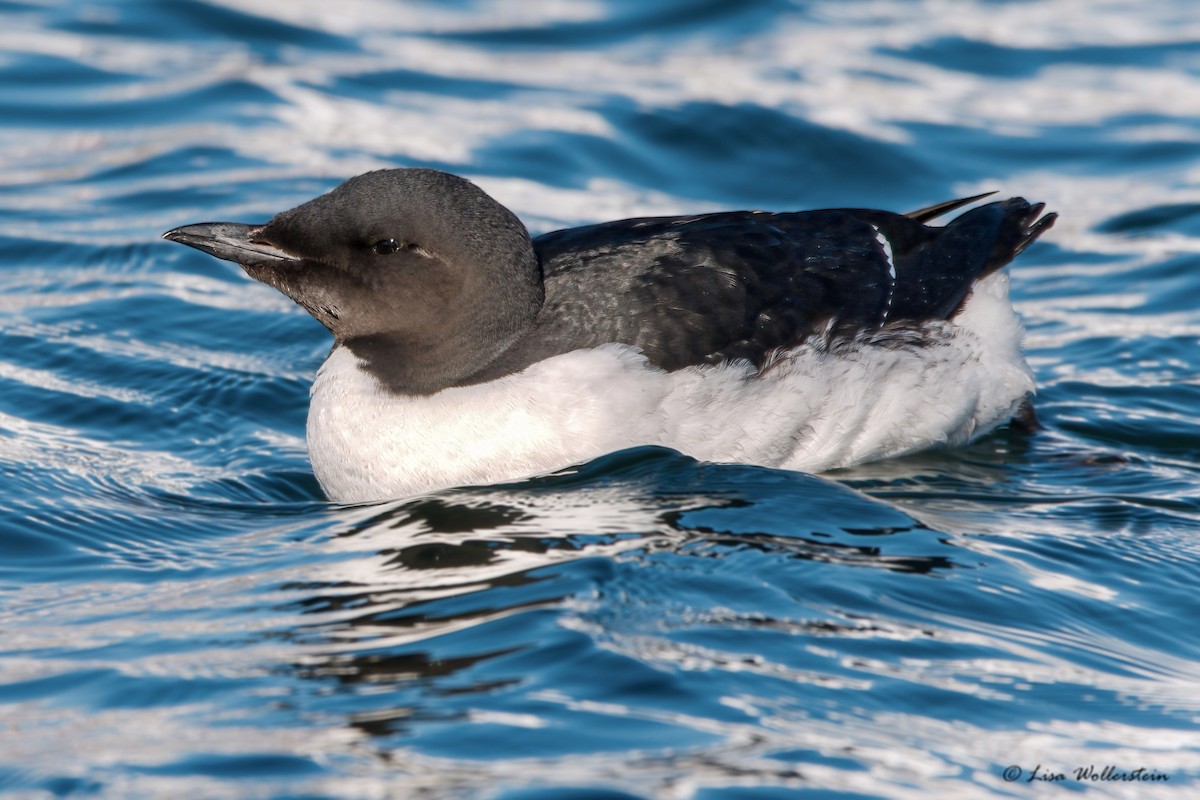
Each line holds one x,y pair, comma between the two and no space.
814,408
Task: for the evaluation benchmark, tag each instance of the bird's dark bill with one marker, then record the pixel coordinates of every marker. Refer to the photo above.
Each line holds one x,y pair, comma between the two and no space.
231,241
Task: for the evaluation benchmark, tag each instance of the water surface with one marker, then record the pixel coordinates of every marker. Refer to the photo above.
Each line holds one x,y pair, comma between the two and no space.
185,615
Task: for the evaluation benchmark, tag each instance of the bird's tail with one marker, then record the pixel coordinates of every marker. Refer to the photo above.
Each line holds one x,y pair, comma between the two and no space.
1023,224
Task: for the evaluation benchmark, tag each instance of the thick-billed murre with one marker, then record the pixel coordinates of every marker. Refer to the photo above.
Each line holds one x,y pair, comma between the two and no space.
466,352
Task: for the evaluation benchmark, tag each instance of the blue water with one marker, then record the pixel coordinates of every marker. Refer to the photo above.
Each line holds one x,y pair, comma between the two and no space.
183,615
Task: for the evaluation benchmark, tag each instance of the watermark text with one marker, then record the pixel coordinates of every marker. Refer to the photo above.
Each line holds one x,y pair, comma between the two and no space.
1092,773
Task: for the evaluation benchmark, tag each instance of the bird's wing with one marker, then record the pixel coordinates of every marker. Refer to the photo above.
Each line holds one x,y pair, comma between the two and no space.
743,285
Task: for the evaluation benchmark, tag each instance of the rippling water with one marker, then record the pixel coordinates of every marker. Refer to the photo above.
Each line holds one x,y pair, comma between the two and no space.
185,616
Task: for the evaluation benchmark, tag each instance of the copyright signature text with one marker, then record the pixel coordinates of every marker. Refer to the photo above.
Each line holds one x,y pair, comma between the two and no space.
1092,773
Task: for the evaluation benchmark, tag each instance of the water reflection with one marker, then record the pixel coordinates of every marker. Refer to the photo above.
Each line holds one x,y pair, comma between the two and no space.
559,625
446,596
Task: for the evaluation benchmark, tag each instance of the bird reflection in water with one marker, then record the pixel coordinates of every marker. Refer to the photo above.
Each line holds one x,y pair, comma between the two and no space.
476,591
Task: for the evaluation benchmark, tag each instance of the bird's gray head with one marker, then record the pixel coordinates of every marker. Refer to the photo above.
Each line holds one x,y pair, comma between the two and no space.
419,272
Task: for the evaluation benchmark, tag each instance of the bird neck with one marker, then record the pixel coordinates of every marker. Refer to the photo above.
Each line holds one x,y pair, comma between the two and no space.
406,365
469,339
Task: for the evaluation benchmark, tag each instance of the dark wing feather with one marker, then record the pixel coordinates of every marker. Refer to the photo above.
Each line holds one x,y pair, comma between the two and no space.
705,289
742,285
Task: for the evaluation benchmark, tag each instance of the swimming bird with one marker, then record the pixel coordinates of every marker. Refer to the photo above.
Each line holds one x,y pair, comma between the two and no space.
467,352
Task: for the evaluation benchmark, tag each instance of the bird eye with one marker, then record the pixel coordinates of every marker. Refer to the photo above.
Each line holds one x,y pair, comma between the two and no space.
386,247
